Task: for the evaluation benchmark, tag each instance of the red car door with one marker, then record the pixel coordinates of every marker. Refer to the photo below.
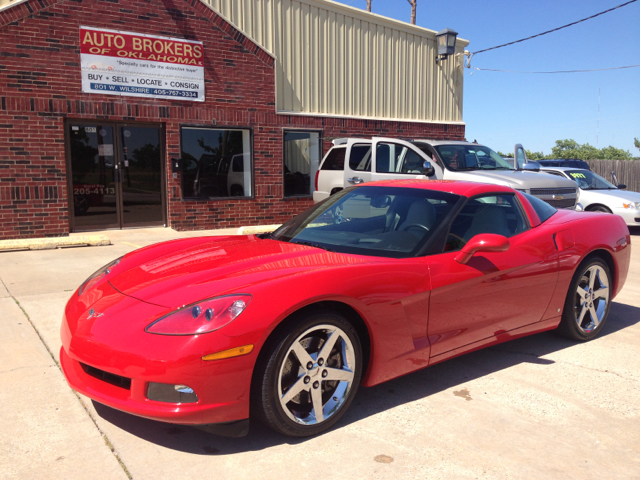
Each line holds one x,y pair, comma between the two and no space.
494,292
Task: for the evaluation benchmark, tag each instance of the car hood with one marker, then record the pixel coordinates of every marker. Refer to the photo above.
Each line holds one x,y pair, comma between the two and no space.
193,269
614,197
515,179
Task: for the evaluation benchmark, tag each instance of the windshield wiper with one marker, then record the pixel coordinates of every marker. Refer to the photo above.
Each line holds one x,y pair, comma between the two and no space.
312,244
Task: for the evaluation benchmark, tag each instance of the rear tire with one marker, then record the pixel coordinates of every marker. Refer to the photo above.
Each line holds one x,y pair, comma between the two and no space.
301,388
586,307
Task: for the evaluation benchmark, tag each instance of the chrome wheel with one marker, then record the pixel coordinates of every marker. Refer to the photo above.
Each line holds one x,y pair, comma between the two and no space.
592,298
317,374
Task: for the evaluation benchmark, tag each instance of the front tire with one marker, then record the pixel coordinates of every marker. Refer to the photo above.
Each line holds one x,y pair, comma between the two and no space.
587,305
308,376
600,208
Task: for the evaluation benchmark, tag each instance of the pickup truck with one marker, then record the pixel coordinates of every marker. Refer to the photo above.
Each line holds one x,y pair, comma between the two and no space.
352,161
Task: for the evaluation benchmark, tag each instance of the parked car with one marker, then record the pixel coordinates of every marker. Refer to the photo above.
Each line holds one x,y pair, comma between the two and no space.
377,281
353,161
599,195
560,162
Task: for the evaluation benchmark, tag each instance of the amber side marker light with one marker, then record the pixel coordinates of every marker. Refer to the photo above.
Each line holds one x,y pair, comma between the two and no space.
233,352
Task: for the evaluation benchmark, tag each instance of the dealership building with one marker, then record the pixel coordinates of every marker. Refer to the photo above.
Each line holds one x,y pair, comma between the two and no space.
199,114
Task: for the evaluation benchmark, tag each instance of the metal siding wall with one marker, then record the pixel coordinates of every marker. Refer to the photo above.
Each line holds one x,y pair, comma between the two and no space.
334,61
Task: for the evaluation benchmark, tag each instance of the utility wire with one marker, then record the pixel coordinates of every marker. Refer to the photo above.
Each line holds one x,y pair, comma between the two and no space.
555,30
557,71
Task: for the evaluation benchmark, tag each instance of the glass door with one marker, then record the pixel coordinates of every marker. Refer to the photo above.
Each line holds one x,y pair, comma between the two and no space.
116,175
93,173
141,170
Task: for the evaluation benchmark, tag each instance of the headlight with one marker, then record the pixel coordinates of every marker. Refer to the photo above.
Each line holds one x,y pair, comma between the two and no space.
632,205
201,317
93,279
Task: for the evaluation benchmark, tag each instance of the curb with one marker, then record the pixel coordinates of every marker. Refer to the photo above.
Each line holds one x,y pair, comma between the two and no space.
54,242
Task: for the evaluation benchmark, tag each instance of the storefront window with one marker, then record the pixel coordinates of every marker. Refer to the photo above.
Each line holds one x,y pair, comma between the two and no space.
301,159
216,162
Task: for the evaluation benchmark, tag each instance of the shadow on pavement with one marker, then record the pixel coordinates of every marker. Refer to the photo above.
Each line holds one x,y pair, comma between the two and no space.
371,401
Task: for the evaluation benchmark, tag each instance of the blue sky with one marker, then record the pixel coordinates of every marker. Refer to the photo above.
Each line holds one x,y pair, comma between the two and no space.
501,109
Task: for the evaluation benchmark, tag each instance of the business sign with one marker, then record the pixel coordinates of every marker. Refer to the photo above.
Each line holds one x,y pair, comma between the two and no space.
132,64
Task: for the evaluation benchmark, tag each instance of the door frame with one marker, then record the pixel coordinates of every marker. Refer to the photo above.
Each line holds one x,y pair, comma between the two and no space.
115,124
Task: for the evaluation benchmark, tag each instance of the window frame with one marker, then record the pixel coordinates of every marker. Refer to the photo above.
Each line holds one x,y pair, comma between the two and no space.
251,158
321,154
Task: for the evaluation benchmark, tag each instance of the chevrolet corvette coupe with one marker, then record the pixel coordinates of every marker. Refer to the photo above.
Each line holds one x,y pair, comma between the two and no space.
375,282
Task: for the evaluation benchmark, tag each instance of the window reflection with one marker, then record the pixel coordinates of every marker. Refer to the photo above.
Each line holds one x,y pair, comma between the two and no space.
216,162
301,159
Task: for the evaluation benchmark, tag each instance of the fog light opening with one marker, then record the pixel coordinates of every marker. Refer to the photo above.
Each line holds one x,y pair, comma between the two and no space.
168,393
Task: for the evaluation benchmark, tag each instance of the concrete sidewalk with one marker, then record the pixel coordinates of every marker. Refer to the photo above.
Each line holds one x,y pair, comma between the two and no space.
46,429
538,407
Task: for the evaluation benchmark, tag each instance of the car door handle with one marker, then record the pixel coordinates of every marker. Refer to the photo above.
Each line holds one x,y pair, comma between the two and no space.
355,180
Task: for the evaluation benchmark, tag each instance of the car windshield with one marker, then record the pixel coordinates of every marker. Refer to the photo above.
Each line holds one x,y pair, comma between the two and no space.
379,221
471,157
587,180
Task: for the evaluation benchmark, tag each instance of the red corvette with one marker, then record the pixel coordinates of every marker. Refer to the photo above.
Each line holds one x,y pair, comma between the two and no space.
375,282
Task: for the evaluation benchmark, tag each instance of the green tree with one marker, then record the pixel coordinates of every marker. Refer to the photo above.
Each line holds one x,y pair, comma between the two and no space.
572,149
533,156
565,149
636,142
612,153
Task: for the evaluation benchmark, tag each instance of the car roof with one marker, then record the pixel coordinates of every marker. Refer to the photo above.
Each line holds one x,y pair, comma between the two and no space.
457,187
445,142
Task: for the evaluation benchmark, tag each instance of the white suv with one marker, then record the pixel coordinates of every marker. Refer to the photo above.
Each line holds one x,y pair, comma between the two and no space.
353,161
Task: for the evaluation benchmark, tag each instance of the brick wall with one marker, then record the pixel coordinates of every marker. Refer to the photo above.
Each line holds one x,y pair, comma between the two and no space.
40,86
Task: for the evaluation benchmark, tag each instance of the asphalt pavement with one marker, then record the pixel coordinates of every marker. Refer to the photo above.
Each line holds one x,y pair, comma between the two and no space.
538,407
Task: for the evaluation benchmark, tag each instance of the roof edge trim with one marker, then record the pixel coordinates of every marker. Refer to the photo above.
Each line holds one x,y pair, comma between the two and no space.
9,5
381,19
266,50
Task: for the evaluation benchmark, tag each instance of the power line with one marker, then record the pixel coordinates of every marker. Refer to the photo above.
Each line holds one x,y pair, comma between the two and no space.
555,29
557,71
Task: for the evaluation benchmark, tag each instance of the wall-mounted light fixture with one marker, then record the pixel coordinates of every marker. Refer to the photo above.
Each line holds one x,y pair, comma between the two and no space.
446,40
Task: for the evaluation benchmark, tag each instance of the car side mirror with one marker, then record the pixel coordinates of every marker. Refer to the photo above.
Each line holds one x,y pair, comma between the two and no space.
531,167
427,168
485,242
622,186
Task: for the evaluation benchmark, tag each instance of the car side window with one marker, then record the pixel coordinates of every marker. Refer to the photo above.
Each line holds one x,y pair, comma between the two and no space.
360,158
498,214
335,159
393,158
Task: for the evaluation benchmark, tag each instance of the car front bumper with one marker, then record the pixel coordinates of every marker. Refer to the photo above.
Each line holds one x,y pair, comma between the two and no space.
113,363
631,216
